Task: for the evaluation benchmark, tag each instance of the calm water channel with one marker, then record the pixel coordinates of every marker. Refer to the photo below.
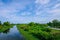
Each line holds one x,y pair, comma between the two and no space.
13,34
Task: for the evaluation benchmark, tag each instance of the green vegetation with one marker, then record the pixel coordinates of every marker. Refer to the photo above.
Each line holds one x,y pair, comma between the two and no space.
54,23
0,23
36,31
5,27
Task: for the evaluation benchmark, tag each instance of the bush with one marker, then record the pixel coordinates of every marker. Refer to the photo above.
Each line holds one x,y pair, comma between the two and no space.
0,23
31,24
43,35
46,29
6,23
0,26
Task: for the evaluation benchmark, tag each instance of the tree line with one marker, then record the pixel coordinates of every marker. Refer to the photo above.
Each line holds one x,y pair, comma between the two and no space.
55,23
5,23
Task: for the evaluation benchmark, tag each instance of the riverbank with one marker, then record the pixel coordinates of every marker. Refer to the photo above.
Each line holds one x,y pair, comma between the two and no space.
26,35
34,32
5,28
38,32
13,34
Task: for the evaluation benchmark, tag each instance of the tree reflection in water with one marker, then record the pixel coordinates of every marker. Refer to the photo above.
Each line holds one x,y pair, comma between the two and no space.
6,31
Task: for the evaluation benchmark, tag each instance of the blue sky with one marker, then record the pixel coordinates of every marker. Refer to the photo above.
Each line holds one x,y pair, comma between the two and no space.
24,11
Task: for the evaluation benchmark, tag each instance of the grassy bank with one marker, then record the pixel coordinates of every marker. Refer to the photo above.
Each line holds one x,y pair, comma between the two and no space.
4,28
26,34
38,32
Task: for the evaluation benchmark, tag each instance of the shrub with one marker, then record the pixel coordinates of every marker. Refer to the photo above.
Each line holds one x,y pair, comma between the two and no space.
6,23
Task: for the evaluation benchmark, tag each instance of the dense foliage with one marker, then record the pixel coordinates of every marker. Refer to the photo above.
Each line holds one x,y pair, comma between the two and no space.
0,23
5,27
6,23
39,31
54,23
35,31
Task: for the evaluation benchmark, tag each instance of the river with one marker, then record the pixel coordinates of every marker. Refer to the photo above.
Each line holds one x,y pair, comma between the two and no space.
13,34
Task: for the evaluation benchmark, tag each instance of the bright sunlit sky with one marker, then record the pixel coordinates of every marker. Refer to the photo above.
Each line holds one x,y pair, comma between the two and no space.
24,11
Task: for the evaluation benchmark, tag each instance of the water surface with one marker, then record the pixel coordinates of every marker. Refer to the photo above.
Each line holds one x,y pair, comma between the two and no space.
13,34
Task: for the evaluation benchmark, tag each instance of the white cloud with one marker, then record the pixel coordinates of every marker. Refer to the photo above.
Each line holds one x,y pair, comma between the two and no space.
43,12
25,13
6,10
48,12
55,11
57,5
9,11
38,13
42,2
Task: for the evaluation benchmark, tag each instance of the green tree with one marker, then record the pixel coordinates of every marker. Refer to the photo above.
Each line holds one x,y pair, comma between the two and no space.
0,23
49,24
6,23
54,23
31,24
